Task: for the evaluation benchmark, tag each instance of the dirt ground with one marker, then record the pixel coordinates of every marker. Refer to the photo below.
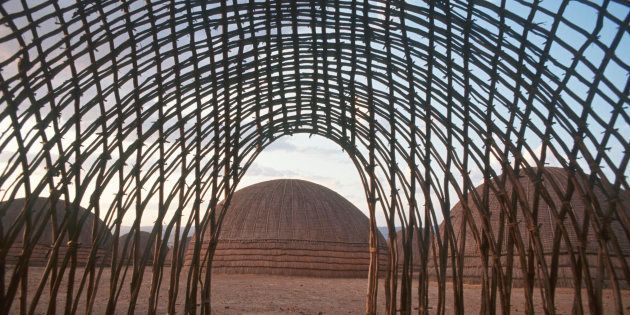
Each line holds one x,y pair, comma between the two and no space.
261,294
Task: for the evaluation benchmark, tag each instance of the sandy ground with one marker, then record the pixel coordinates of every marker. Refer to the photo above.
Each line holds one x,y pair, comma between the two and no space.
260,294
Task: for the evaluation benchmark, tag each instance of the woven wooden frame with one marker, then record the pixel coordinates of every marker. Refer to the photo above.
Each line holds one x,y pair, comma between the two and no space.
168,102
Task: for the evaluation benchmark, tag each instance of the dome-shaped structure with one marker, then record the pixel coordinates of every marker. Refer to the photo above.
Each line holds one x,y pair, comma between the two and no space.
292,227
546,226
125,253
41,217
183,244
415,249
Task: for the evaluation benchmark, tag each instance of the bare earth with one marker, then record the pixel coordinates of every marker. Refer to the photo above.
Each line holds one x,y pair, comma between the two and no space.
261,294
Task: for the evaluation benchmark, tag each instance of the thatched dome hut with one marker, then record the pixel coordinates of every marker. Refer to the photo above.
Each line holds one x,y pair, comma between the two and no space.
126,254
41,216
292,227
126,245
415,249
545,225
182,249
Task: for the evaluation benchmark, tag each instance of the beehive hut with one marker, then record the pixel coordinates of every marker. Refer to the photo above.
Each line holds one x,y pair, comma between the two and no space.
292,227
472,264
182,249
415,249
126,254
41,216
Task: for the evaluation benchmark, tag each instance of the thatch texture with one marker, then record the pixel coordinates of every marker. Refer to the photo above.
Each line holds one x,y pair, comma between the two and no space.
127,241
580,233
415,249
42,238
168,102
292,227
168,260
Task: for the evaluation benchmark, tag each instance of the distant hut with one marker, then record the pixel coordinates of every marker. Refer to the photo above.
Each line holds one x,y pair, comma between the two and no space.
42,216
472,263
126,254
182,249
292,227
415,249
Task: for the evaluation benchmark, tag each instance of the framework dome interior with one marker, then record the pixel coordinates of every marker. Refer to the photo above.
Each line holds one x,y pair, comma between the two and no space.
126,106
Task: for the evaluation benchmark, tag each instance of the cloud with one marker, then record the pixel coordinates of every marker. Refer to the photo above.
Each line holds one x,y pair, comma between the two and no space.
282,145
266,171
550,160
295,144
